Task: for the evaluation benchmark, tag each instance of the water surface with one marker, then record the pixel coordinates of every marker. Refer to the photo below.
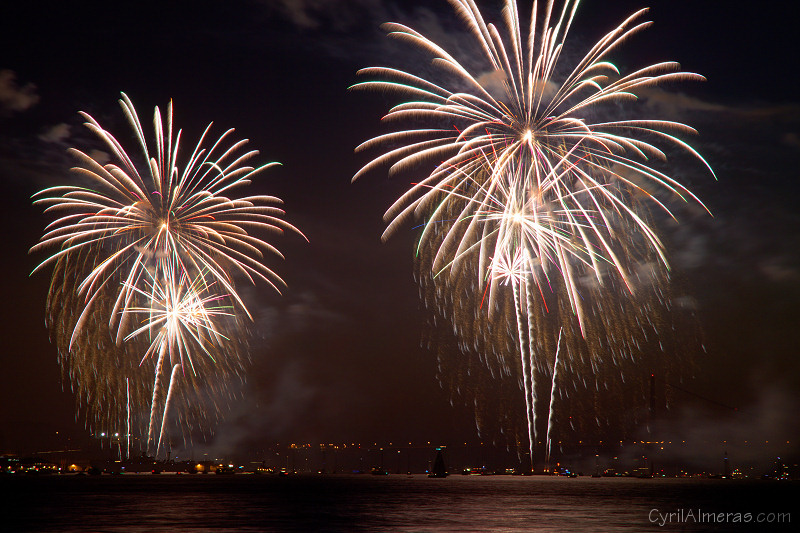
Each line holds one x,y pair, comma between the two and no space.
400,503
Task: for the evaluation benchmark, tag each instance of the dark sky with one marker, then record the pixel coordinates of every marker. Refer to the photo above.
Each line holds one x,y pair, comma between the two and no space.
338,356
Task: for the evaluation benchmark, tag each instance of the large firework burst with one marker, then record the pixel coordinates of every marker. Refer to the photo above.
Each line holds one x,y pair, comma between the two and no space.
530,187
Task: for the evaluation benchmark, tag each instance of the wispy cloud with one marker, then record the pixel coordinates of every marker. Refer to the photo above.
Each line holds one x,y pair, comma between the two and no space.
55,134
339,15
13,97
677,104
708,435
351,29
791,139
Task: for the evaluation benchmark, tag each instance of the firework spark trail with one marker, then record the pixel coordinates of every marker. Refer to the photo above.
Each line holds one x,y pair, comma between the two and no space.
156,386
532,169
533,360
128,417
530,411
552,407
165,417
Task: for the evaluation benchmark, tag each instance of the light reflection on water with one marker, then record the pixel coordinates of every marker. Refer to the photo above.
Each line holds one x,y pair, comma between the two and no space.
242,503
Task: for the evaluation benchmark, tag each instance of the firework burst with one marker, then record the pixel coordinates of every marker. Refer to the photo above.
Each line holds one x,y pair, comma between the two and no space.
183,316
529,188
182,312
531,147
160,232
134,219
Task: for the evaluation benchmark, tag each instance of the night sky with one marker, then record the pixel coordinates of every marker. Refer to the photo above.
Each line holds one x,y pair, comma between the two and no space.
338,357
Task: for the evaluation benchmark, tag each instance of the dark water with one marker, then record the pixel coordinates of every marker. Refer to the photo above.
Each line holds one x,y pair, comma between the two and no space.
389,503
